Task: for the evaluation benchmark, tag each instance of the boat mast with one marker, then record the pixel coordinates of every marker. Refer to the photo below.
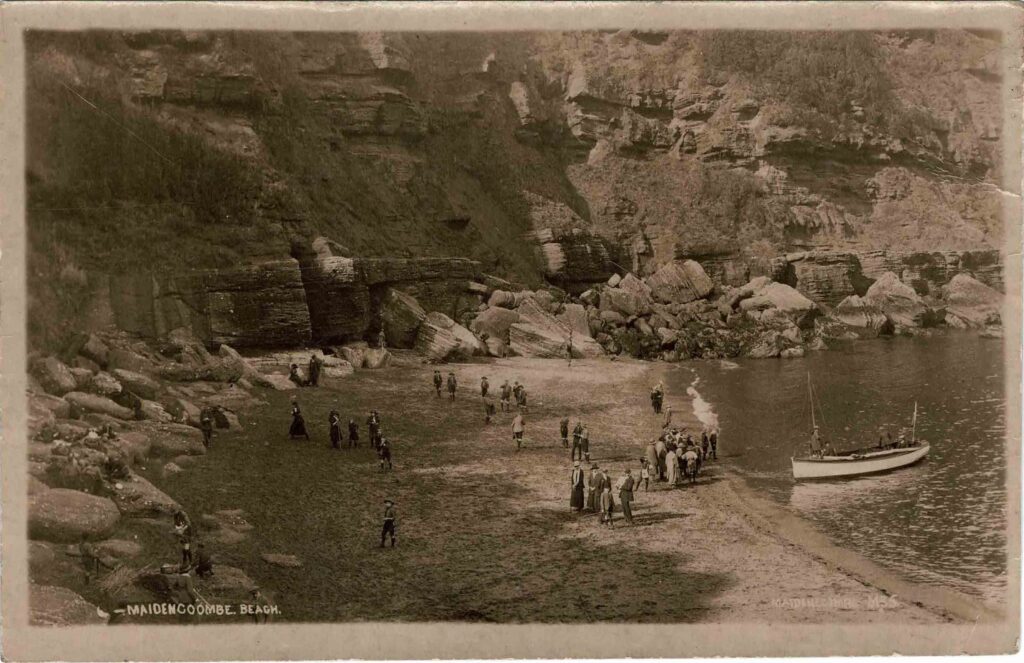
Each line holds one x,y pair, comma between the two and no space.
913,434
810,394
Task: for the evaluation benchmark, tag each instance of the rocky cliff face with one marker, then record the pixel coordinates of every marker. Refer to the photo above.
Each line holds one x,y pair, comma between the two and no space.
563,157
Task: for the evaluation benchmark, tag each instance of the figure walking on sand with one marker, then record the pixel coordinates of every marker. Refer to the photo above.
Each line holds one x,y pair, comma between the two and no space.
298,427
713,438
206,425
489,411
518,427
506,397
389,523
382,339
484,386
563,429
660,449
651,456
294,376
438,383
668,417
645,475
585,443
453,384
373,426
626,496
607,506
577,483
334,421
568,348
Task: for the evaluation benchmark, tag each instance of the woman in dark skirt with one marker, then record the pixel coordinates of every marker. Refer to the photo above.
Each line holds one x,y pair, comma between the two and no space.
334,420
298,428
577,483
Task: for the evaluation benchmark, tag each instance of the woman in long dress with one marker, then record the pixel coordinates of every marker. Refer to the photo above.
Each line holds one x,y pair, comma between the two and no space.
298,427
671,466
577,482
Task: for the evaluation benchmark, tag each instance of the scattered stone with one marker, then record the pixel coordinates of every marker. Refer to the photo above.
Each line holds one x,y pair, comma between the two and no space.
279,382
153,411
779,296
970,303
95,350
170,469
58,407
53,375
104,384
67,516
83,376
129,360
137,497
88,364
614,280
172,439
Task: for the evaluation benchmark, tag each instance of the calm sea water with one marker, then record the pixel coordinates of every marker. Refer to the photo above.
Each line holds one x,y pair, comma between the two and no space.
942,521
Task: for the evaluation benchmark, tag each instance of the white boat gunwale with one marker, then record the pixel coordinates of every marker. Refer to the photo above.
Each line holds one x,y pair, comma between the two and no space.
856,456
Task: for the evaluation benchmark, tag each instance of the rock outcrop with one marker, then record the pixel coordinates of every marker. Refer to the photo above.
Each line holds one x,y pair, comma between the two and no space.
970,303
855,312
440,338
401,316
68,516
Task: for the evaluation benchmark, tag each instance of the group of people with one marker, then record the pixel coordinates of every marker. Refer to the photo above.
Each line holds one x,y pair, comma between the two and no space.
312,378
675,456
381,445
580,439
593,492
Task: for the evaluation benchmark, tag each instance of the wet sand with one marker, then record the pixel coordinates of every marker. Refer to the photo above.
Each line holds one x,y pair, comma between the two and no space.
486,532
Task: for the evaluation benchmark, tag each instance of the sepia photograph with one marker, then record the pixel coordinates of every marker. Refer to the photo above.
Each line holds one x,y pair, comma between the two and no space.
651,327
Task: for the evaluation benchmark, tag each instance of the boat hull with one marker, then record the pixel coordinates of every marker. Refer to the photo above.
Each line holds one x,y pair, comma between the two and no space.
830,467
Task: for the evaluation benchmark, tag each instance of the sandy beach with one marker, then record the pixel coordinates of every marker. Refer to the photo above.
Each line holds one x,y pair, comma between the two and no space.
486,532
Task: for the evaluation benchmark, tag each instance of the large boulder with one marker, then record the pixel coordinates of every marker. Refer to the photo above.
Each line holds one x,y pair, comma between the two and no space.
401,316
59,606
681,282
130,359
138,498
779,296
855,312
53,375
153,411
534,340
441,338
769,344
494,322
971,303
354,353
69,516
141,385
241,366
503,299
897,300
99,405
58,407
376,358
631,297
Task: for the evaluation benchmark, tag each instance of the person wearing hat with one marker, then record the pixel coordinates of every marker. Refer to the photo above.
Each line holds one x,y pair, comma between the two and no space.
314,370
713,439
298,427
577,483
577,436
206,425
645,473
563,428
484,386
384,453
389,523
626,495
373,425
438,381
453,384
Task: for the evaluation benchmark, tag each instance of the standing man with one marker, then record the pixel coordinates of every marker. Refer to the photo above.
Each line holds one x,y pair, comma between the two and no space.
577,440
389,523
452,385
626,496
484,386
568,348
517,430
816,443
334,421
206,425
563,428
585,443
314,370
183,530
263,608
576,484
713,438
488,411
373,425
353,433
382,340
438,381
594,489
506,397
516,390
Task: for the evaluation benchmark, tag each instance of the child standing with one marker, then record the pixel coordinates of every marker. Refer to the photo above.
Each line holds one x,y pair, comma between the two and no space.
645,473
606,506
